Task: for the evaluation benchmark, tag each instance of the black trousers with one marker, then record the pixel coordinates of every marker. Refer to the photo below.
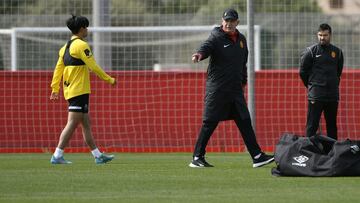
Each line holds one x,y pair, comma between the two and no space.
315,108
245,128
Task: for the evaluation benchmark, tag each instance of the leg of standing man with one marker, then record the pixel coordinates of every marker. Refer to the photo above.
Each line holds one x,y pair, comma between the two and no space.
330,113
315,109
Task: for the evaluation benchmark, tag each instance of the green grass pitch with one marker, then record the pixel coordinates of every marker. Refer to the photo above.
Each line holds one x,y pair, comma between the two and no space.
152,177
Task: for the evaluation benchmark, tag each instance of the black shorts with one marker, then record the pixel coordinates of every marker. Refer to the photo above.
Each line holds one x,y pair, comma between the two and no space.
79,103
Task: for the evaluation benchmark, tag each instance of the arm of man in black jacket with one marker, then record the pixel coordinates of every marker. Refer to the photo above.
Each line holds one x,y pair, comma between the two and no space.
244,71
205,50
340,64
306,62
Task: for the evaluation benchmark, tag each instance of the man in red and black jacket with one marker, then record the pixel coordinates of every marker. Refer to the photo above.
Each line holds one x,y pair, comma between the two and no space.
224,97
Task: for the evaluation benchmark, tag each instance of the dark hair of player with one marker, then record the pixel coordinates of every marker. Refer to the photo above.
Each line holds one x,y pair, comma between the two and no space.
74,23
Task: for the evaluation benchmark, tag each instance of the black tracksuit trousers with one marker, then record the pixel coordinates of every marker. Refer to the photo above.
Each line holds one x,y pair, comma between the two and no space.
315,108
245,127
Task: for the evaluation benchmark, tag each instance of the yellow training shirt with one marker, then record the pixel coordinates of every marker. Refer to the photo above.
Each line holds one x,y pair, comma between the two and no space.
76,78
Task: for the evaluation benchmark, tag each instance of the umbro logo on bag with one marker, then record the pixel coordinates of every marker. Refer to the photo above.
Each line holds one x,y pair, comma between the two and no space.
300,161
354,149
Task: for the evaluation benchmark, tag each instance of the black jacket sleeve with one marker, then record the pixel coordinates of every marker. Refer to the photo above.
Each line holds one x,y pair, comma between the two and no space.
340,64
244,71
207,47
306,62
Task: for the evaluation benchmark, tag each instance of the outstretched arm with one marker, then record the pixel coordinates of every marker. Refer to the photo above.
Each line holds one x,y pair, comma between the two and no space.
204,51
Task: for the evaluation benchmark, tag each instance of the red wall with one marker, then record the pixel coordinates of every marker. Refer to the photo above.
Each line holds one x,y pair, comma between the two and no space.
157,112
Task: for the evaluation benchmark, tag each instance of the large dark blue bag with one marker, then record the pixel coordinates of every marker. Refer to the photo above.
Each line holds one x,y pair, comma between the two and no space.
316,156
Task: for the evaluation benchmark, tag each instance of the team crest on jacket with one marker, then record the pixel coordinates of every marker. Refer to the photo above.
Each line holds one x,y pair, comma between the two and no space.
241,44
333,54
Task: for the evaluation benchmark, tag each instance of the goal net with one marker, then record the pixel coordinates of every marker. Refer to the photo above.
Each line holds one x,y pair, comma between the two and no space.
157,103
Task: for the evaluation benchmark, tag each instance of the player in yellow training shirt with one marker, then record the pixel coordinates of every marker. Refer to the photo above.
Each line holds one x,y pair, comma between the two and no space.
75,60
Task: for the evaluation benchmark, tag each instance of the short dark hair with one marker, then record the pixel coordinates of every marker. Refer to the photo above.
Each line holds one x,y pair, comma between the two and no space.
74,23
324,27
